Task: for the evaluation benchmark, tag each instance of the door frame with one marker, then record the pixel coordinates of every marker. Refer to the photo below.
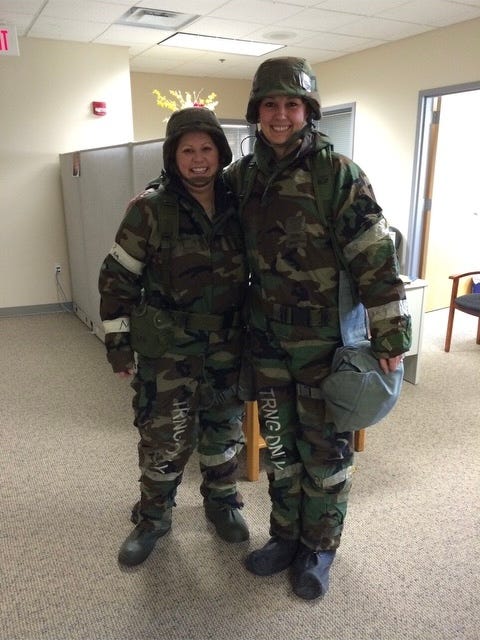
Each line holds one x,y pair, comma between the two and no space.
424,163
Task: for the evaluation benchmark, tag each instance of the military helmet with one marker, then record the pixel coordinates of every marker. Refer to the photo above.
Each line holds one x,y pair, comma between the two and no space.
194,119
284,77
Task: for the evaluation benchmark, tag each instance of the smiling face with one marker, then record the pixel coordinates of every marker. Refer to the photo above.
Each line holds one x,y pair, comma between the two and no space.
197,160
280,117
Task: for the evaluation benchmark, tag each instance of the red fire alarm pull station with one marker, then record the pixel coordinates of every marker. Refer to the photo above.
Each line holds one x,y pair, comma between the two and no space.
99,108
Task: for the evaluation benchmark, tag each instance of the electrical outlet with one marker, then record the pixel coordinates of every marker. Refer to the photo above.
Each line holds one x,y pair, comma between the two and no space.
58,268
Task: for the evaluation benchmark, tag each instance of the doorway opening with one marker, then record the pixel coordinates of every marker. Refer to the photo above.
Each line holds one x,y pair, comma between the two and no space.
444,227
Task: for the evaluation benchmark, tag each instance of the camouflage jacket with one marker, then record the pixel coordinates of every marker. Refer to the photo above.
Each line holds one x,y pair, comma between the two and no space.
203,271
290,253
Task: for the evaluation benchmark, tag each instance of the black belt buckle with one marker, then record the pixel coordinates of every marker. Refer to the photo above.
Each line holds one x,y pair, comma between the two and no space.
300,315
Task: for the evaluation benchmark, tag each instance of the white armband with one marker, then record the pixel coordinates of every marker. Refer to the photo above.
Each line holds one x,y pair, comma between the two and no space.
119,325
126,260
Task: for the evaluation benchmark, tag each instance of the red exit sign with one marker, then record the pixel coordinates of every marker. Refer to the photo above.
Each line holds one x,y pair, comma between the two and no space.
8,41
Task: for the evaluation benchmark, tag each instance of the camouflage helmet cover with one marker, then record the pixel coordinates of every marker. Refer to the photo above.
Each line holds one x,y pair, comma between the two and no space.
286,76
189,120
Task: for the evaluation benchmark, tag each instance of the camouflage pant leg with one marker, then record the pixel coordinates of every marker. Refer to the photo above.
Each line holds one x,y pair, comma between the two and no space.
220,420
278,426
318,468
327,458
220,440
165,405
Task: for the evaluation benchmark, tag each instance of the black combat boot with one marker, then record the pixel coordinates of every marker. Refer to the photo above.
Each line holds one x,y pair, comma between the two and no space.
275,556
309,573
139,544
229,523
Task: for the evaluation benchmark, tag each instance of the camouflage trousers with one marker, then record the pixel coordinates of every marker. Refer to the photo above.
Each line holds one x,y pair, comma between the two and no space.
183,402
309,464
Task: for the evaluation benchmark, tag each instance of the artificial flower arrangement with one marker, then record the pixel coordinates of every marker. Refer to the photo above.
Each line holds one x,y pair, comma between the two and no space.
181,101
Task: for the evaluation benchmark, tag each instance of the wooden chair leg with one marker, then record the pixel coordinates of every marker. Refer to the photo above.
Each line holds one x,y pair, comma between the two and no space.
359,440
252,435
448,337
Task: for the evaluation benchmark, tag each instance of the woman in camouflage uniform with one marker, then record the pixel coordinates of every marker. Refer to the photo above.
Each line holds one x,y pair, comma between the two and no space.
294,322
172,289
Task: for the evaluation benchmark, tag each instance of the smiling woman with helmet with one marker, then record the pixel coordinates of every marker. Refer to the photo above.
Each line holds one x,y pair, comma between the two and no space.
172,290
293,181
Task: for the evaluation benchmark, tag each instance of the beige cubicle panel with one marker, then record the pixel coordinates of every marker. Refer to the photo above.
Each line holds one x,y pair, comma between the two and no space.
97,185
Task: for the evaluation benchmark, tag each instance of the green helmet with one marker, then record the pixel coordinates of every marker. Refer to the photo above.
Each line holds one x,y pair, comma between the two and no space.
284,77
194,119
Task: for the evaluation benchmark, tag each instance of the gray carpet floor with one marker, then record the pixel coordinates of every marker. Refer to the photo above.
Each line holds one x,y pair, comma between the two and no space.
409,561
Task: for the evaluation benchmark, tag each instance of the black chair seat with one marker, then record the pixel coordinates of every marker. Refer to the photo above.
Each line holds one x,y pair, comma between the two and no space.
470,302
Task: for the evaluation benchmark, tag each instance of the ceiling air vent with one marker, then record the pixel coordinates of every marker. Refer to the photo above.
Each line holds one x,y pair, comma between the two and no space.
156,18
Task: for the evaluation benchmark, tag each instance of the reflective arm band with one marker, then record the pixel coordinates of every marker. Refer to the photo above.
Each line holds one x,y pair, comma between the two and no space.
388,311
119,325
126,260
377,232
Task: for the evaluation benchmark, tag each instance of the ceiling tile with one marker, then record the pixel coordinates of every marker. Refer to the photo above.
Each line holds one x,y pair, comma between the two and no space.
30,7
383,29
57,29
260,11
221,27
435,13
316,29
85,10
360,7
19,20
320,20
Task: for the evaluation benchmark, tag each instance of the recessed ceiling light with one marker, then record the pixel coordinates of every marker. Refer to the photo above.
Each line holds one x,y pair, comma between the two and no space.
226,45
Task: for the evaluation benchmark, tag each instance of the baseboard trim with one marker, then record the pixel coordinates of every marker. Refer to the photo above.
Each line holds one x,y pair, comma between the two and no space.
37,309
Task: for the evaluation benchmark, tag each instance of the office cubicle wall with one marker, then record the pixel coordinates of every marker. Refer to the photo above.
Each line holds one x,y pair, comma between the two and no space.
97,185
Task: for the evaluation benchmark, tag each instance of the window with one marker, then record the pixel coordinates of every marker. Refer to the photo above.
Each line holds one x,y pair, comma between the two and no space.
240,136
338,123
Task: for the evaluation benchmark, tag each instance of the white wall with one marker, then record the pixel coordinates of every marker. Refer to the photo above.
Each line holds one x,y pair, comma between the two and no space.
45,110
148,118
385,83
45,101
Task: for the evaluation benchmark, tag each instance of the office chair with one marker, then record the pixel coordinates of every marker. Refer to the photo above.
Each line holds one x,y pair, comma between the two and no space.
468,303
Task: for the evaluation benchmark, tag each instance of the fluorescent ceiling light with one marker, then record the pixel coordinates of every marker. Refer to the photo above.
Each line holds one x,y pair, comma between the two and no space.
156,18
223,45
